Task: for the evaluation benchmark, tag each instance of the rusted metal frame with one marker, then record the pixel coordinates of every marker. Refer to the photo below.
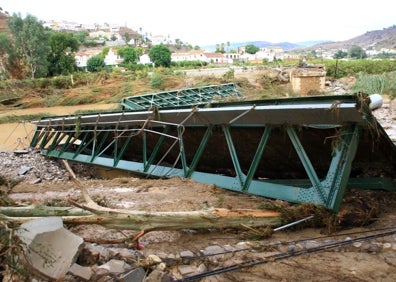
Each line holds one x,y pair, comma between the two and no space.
257,157
67,143
47,137
116,154
340,167
37,136
144,150
107,147
170,171
180,131
200,150
313,177
83,145
98,146
115,139
95,135
55,140
154,153
157,147
123,149
240,176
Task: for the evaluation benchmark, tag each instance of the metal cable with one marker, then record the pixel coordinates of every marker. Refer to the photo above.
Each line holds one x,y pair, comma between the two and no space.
284,255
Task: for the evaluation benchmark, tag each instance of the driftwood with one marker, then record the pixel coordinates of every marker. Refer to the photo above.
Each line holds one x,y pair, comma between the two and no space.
92,213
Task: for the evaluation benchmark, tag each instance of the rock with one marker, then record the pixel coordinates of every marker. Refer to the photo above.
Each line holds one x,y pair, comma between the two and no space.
186,254
24,170
83,272
153,259
186,269
212,250
158,276
134,275
115,266
49,248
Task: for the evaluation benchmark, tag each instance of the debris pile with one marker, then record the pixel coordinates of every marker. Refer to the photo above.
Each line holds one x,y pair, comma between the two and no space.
55,253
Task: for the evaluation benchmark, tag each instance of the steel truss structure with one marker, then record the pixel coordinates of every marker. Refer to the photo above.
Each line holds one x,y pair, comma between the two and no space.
301,150
182,97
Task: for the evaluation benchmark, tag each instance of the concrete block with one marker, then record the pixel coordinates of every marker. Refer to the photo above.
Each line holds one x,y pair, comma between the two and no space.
116,266
135,275
82,272
50,249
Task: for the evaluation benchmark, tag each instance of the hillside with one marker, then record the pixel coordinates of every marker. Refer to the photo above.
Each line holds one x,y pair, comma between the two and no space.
385,38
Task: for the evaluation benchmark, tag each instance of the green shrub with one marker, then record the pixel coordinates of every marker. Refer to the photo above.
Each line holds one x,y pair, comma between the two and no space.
62,82
42,83
157,81
376,83
340,68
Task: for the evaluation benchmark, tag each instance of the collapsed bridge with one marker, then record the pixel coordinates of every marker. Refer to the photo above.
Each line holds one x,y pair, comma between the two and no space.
301,150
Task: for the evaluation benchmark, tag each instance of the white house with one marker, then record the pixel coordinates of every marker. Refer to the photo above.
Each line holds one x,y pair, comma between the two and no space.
112,58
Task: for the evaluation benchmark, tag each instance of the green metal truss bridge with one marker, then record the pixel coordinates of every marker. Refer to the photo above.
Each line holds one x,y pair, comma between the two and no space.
301,150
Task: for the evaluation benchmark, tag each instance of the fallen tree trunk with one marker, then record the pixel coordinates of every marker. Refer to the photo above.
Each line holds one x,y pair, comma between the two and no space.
145,220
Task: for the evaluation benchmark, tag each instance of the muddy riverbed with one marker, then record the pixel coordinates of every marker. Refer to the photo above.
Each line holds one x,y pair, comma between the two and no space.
369,262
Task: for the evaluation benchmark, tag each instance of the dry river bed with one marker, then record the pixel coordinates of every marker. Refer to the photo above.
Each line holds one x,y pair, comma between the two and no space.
190,252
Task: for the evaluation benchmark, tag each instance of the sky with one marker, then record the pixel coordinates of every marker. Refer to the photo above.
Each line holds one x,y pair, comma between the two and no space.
210,22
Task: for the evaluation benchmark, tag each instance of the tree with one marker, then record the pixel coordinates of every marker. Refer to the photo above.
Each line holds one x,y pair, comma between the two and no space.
251,49
340,54
96,63
30,40
357,52
160,55
61,57
128,54
11,63
81,36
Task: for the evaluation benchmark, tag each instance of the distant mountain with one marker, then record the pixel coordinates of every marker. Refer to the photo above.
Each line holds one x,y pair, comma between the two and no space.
377,39
311,43
260,44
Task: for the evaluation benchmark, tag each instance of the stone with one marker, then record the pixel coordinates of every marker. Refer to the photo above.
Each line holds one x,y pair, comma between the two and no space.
115,266
24,170
83,272
158,276
134,275
212,250
49,248
186,269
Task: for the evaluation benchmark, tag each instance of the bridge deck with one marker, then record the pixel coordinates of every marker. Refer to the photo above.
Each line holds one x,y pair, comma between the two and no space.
300,150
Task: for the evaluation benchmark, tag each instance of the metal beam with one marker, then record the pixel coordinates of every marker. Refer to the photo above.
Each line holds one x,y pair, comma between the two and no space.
265,147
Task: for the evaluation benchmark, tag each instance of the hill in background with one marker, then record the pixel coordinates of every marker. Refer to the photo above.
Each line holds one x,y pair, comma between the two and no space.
377,39
385,38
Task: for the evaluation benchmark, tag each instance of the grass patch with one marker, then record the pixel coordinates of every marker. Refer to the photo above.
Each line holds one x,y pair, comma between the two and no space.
18,118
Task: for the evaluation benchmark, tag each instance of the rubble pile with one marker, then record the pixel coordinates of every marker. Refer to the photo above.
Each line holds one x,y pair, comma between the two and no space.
31,167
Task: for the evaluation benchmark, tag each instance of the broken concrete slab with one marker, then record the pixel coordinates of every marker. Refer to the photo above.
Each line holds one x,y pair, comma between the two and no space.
50,249
115,266
135,275
82,272
24,170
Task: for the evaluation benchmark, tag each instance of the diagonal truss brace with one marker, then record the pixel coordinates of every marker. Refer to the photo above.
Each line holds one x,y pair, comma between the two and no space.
328,191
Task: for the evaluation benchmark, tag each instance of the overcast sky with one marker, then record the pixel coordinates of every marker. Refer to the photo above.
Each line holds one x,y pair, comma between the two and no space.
207,22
